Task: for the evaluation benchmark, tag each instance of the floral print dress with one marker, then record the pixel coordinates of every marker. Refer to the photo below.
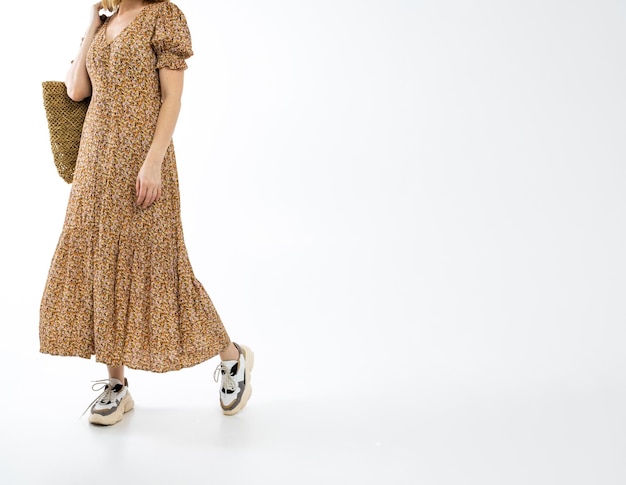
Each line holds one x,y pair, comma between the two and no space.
120,284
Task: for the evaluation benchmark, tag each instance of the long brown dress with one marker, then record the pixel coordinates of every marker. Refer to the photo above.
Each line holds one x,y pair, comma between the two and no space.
120,284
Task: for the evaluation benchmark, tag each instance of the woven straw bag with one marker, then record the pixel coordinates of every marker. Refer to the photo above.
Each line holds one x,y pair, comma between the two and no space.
65,124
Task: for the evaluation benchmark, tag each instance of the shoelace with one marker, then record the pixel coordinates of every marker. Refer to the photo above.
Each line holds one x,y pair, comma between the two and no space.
106,396
228,382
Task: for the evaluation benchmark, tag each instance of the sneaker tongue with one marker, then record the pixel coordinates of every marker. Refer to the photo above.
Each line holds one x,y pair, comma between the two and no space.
115,382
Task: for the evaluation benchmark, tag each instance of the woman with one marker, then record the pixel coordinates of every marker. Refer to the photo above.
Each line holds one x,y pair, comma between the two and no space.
120,285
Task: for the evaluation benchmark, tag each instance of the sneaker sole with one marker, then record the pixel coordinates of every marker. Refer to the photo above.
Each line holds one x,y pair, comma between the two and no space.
249,356
127,404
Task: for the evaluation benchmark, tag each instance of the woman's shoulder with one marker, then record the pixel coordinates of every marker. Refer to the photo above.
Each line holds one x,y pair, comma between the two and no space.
167,8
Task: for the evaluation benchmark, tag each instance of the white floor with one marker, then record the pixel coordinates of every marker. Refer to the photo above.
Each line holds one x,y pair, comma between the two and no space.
412,432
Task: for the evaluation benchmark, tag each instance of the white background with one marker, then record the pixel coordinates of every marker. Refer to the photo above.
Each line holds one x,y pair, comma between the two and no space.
412,211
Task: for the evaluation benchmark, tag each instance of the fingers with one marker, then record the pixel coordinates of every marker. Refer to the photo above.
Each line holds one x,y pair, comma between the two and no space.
141,192
146,196
150,198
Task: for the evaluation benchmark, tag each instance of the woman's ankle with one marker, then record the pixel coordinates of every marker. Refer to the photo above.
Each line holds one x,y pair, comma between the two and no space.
116,372
230,353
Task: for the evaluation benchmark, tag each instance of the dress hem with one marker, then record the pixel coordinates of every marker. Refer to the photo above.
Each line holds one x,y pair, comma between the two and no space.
190,361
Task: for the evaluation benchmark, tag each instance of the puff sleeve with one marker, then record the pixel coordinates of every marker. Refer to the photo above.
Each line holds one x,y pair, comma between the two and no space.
171,40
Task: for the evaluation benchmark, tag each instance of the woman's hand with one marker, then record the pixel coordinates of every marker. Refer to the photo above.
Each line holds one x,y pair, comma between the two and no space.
148,184
96,21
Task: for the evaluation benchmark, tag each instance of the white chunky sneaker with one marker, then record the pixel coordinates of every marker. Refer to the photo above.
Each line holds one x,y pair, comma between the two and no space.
109,407
236,388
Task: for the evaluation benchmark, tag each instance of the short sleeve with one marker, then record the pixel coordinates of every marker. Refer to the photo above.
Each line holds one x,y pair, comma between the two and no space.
171,40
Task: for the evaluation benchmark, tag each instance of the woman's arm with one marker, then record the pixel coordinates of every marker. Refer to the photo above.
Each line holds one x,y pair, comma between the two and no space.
77,80
148,184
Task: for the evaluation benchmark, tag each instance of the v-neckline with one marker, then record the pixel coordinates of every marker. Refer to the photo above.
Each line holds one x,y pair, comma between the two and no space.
106,25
